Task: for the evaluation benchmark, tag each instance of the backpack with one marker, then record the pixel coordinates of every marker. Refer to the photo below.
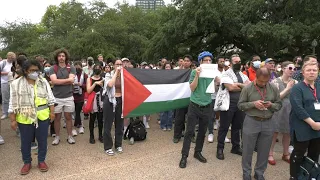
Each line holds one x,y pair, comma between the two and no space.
137,130
55,68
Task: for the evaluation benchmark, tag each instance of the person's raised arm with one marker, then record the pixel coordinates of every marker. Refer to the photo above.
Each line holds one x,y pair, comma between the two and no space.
112,81
194,78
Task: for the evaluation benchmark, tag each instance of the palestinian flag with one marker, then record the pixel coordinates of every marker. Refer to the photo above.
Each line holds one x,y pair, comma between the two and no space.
147,91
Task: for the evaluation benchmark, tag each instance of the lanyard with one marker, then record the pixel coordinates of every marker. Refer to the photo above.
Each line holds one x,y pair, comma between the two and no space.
264,92
313,91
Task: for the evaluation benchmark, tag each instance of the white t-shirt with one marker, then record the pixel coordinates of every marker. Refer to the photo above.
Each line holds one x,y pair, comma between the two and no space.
6,68
214,95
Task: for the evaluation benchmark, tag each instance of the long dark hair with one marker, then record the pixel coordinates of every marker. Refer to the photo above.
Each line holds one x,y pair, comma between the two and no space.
57,52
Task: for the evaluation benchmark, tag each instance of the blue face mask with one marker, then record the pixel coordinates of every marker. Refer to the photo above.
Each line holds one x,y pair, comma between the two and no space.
256,64
46,69
33,76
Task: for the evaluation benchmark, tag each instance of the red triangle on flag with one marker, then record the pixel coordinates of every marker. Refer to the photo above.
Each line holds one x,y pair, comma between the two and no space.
134,93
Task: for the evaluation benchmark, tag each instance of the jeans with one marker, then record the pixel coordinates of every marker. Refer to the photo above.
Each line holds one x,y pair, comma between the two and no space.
300,148
212,119
166,119
93,117
77,119
194,113
5,92
235,117
26,135
109,116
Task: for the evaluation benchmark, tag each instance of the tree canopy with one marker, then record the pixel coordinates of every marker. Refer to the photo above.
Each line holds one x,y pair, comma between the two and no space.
269,28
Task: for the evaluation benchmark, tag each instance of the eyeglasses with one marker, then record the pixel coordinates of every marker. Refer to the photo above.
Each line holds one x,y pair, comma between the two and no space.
292,68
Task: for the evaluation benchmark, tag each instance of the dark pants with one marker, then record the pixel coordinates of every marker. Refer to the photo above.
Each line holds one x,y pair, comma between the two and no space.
77,119
52,131
109,116
235,117
26,136
179,123
93,117
300,148
212,119
196,113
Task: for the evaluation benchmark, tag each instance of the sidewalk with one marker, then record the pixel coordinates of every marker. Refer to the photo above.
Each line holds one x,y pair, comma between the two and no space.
156,158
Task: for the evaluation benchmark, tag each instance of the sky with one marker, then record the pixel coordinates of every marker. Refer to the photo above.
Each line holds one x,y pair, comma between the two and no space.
33,10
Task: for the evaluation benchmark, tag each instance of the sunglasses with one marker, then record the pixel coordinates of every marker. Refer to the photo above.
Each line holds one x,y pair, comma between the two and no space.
292,68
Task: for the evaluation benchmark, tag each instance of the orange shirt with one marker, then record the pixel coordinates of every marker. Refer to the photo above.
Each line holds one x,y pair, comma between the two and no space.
252,74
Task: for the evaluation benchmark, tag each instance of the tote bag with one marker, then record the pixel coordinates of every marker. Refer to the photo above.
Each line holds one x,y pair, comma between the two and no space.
222,99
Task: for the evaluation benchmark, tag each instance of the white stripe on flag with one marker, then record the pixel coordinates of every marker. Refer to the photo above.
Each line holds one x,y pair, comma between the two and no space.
167,92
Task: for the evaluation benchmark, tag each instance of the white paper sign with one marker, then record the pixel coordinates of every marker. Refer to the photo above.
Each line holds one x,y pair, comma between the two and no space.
211,88
209,70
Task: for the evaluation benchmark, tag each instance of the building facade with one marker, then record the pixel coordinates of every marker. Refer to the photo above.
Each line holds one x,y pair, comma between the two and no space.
149,4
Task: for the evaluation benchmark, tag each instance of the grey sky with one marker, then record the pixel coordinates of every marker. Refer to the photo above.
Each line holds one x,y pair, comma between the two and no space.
33,10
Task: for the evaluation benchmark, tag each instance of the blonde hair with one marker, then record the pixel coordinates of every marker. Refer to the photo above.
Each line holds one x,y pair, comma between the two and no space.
10,54
309,64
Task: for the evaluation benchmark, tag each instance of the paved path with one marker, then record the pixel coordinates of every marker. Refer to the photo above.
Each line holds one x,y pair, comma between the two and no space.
156,158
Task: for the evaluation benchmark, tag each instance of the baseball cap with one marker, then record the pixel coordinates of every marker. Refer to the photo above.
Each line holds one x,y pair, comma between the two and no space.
268,60
125,59
143,63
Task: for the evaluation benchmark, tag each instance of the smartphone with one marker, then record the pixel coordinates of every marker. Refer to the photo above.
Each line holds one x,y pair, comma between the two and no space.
264,102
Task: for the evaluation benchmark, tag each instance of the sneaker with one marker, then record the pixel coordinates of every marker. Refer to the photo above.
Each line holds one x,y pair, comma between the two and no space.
146,124
4,117
164,129
210,138
34,145
119,150
168,129
110,152
74,132
81,130
290,149
56,140
1,140
53,135
131,141
64,125
215,127
71,140
227,140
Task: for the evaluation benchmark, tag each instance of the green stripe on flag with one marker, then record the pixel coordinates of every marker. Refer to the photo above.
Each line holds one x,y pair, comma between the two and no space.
147,108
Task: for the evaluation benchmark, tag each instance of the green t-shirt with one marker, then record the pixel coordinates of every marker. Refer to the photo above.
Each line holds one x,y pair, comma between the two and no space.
199,95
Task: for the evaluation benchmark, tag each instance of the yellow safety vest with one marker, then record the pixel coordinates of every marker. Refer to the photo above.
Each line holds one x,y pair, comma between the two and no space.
43,111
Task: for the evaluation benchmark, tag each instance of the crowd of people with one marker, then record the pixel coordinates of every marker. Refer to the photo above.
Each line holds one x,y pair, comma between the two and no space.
263,100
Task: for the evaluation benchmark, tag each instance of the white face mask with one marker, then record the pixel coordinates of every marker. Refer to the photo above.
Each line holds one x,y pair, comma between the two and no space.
278,69
256,64
227,63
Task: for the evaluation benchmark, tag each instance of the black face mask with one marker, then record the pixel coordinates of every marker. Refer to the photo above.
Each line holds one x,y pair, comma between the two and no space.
97,71
90,63
78,70
236,67
300,63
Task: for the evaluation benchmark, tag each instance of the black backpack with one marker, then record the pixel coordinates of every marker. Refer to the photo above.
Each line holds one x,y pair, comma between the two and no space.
137,130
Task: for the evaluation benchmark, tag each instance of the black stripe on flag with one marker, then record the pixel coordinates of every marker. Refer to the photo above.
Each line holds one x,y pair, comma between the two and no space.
155,76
